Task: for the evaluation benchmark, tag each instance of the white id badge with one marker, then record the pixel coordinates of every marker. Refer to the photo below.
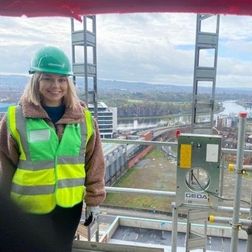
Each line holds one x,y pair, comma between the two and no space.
39,135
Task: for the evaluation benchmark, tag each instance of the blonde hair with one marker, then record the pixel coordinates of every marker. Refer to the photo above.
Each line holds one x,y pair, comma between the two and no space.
32,94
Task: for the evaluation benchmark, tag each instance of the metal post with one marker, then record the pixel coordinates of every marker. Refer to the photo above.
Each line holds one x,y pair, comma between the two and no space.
89,232
238,168
85,58
205,232
174,227
221,178
97,230
249,228
249,241
250,208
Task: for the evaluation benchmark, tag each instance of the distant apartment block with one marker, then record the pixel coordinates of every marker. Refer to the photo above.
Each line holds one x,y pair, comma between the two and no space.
226,121
107,119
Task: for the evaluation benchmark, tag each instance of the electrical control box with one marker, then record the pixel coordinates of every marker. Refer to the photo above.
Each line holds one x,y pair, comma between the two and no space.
198,169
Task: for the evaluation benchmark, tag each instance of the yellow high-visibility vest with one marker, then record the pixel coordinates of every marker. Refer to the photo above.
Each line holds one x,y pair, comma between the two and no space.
50,172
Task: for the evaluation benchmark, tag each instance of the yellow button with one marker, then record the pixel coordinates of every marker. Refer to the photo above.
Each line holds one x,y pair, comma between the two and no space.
231,167
211,218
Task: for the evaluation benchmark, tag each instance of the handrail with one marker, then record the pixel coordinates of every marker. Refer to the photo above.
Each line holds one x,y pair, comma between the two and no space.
165,193
142,142
141,191
159,143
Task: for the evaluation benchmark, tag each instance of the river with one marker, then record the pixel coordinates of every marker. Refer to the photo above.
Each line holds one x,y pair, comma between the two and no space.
230,108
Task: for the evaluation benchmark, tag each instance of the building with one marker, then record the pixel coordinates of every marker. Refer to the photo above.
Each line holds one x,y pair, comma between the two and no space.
107,119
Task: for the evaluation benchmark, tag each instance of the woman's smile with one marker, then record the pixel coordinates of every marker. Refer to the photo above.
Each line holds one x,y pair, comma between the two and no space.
52,88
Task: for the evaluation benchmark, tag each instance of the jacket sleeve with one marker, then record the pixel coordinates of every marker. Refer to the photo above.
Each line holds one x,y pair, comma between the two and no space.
95,170
9,156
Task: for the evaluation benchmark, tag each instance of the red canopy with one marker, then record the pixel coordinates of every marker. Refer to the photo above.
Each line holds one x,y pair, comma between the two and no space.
75,8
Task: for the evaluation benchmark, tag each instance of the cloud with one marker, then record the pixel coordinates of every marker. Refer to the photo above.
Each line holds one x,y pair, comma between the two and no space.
22,37
160,48
143,46
149,47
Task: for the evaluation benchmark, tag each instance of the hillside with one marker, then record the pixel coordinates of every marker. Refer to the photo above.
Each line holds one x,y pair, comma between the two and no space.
17,82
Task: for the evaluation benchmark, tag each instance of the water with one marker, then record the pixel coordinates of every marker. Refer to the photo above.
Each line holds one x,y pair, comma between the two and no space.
230,108
138,124
233,108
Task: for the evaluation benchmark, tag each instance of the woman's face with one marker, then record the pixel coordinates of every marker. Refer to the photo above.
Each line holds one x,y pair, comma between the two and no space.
52,89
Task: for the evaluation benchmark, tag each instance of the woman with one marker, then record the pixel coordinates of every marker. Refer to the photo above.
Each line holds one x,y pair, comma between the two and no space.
50,150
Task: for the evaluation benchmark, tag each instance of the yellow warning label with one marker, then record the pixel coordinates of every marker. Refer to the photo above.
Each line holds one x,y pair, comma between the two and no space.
185,156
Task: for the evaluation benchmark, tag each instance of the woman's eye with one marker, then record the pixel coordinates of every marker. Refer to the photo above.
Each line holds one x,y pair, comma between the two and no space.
62,80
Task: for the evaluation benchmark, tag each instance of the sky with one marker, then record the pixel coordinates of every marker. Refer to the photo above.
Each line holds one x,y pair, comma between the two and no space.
147,47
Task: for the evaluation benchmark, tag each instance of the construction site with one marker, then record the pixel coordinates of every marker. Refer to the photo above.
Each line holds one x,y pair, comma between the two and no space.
176,188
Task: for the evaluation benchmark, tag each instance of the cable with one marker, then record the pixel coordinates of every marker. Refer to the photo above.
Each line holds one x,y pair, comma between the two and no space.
215,194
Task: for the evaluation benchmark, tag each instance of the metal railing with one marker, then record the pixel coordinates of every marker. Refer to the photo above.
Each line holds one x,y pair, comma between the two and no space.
235,221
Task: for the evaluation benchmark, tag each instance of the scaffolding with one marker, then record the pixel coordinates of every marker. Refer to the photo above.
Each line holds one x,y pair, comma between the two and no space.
84,57
206,43
202,211
205,68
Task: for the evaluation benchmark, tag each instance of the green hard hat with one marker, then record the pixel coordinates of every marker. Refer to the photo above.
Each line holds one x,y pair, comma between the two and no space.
50,59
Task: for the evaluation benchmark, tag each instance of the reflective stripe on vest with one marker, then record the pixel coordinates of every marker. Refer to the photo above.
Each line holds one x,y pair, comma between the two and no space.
11,122
49,173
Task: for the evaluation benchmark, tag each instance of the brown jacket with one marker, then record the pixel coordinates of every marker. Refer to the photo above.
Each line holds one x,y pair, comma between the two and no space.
94,164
